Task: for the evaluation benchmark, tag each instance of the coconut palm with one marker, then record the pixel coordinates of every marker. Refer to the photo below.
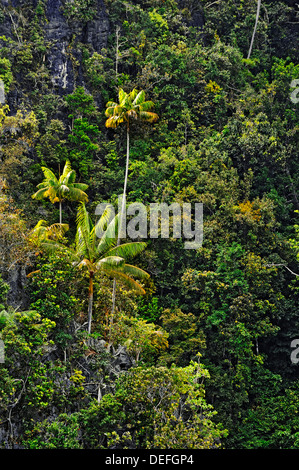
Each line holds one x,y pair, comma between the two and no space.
64,187
131,106
103,255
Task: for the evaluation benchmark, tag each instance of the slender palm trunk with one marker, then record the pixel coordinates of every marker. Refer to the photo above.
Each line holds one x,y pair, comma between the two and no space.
90,301
113,308
122,228
259,2
117,51
122,225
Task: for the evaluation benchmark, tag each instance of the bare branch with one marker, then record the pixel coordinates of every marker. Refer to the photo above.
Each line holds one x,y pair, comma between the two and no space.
281,264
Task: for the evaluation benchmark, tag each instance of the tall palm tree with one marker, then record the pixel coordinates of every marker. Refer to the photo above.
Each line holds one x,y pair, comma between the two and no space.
104,255
131,106
64,187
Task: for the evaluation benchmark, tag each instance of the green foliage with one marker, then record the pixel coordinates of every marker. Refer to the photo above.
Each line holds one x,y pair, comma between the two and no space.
80,103
154,408
149,309
54,290
61,434
272,424
84,149
143,340
227,136
6,73
4,288
185,339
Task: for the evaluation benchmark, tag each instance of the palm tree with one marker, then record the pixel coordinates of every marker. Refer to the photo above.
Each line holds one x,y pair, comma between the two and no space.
131,106
104,255
62,188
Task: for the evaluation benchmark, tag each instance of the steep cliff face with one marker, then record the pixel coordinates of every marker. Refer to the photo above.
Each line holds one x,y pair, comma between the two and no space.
60,34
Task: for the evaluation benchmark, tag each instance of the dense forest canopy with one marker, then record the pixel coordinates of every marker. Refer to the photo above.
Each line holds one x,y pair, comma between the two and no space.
113,343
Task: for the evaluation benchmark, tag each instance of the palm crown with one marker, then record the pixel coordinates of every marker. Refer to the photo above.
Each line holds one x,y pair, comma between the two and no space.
131,106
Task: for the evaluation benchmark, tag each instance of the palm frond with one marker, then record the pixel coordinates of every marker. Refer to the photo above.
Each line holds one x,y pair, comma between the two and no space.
63,190
146,106
40,223
40,194
52,194
83,231
148,117
132,113
50,183
53,246
76,194
133,95
81,186
49,175
104,221
43,184
109,238
122,95
69,178
110,261
119,110
84,263
110,108
138,97
67,169
114,121
42,233
134,271
57,231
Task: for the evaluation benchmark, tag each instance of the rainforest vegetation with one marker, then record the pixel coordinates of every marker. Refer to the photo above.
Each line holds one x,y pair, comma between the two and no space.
114,343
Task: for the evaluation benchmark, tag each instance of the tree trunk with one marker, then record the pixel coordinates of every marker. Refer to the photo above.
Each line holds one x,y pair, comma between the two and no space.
90,301
293,189
122,224
117,51
259,2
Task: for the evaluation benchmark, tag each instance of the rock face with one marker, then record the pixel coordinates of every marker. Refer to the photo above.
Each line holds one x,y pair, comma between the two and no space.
16,296
60,34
